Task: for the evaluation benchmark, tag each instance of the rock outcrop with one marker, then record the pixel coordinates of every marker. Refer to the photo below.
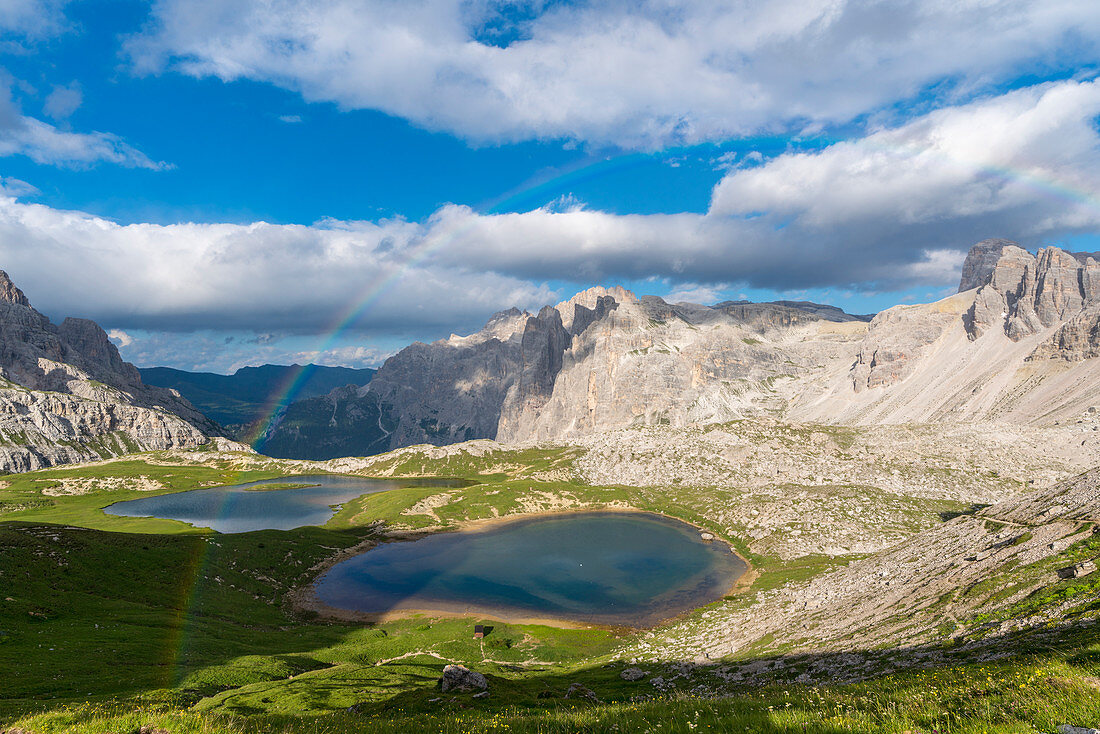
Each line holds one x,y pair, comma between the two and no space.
601,359
1024,294
67,395
1017,343
920,590
980,263
461,678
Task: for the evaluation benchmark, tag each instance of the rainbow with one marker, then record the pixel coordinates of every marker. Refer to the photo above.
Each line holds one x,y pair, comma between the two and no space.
546,183
176,634
584,170
552,182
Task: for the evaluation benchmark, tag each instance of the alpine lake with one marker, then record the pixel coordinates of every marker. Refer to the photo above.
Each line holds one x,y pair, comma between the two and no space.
613,567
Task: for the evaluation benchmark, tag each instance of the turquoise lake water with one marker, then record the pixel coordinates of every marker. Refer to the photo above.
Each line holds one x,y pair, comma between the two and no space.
240,509
617,568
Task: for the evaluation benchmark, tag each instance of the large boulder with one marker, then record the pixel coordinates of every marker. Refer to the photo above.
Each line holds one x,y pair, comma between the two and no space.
461,678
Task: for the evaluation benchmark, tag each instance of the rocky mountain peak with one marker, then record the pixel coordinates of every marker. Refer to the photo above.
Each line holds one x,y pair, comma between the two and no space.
595,299
96,350
1025,294
9,293
980,262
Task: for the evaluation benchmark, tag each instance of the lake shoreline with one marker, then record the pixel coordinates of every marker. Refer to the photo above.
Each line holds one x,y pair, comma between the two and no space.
305,600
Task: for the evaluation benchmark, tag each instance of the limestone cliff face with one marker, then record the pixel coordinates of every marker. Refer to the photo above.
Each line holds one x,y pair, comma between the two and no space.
647,362
66,394
895,341
1076,340
1024,294
450,390
998,349
980,262
604,358
607,359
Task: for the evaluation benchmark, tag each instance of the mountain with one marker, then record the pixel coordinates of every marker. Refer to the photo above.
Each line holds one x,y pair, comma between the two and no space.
602,359
250,393
66,395
1017,342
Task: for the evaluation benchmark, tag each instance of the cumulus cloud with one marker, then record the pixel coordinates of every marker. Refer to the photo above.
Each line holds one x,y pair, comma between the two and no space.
1025,164
120,337
346,356
263,277
892,211
629,74
31,19
697,293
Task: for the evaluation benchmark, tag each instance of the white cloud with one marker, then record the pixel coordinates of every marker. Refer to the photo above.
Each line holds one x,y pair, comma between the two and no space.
347,356
285,278
120,337
895,210
696,293
1025,164
31,19
45,143
630,74
63,101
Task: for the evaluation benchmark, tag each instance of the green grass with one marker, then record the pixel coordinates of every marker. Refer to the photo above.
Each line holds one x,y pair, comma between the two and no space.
110,624
25,490
1025,696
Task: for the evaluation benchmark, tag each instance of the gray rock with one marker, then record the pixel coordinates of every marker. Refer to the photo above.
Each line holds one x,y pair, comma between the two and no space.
606,359
67,395
980,261
583,693
1076,340
895,341
1068,729
632,674
461,678
1077,570
1024,294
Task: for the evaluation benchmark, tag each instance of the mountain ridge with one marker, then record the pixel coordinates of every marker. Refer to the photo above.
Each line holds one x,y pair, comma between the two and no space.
238,400
67,395
1016,343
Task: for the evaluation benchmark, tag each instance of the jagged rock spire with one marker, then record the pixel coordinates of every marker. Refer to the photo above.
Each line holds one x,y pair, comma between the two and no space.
981,261
9,293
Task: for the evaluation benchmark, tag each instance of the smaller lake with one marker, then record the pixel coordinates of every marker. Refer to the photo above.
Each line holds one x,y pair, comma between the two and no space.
241,509
618,568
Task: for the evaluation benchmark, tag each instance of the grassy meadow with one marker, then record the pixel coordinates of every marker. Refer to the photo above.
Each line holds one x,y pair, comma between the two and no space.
111,624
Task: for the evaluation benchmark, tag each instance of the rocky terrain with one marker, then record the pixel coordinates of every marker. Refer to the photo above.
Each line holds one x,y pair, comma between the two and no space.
1016,345
66,394
1012,346
602,359
989,562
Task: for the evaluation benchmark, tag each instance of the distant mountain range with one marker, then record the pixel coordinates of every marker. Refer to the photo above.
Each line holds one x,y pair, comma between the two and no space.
248,395
1019,342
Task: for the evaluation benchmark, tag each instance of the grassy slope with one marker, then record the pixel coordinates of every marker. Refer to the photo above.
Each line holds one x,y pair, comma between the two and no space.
158,623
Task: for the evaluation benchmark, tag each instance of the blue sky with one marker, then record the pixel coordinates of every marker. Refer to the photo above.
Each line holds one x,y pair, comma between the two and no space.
227,183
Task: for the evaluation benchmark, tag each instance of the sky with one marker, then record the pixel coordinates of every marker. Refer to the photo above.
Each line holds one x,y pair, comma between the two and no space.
222,183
